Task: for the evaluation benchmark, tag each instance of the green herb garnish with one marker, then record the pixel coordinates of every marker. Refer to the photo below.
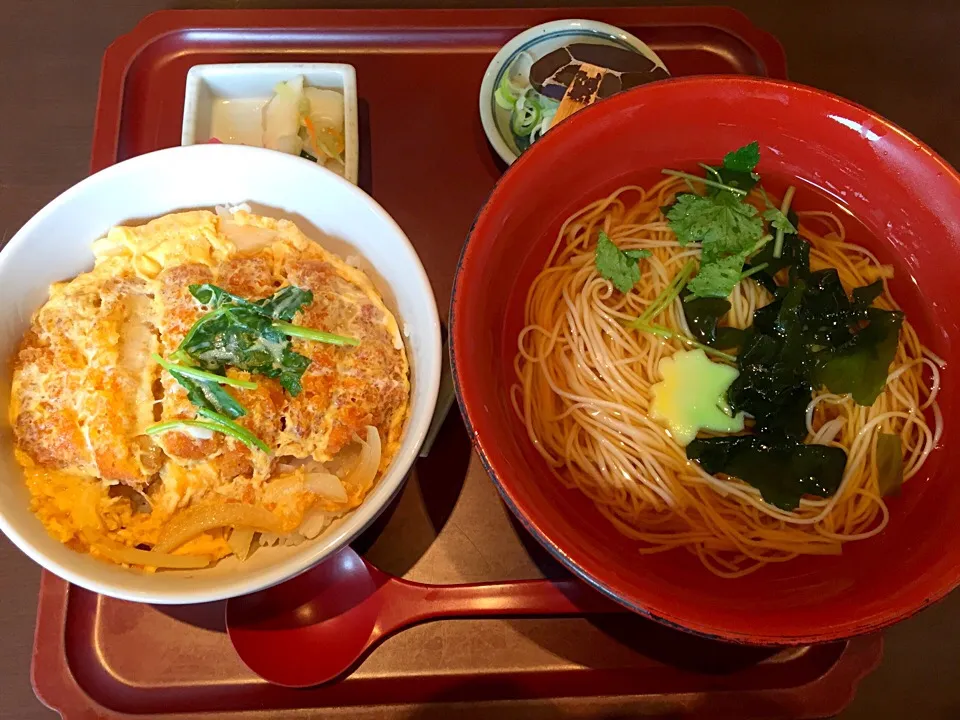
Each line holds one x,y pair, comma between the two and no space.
228,427
669,334
232,429
721,222
714,185
743,159
661,303
310,334
729,229
779,221
253,336
667,295
738,168
621,267
718,277
196,374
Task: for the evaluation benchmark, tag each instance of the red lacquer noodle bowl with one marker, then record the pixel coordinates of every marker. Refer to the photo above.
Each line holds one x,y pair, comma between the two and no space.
907,201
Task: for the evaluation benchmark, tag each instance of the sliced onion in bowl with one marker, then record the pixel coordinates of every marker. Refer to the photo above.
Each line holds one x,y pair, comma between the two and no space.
327,485
363,475
247,238
149,558
344,462
241,541
314,523
192,521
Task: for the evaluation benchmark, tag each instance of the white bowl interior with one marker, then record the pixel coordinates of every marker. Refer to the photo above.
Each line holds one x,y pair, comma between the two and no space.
238,87
55,245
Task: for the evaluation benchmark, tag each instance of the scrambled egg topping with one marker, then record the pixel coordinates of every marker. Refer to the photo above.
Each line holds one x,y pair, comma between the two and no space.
85,387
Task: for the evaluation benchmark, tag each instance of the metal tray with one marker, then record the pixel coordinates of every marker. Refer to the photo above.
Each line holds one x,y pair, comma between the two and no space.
424,157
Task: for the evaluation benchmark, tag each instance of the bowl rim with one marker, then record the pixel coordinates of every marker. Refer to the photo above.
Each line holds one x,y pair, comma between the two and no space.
427,376
535,35
569,127
199,75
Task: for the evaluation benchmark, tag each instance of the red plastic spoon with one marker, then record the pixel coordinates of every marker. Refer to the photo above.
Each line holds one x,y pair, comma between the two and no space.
315,627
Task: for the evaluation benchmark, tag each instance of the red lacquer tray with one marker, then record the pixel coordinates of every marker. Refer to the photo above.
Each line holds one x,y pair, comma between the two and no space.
425,158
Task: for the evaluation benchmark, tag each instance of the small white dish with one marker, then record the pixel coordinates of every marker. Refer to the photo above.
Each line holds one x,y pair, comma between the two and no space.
537,42
226,101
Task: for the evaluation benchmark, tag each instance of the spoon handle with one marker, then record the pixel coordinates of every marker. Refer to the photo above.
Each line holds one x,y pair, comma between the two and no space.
412,602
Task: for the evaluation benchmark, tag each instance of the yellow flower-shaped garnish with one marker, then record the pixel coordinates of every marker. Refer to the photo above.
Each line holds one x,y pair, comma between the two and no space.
692,396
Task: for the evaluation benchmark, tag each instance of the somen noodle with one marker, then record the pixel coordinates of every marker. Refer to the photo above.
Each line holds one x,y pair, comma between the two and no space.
584,394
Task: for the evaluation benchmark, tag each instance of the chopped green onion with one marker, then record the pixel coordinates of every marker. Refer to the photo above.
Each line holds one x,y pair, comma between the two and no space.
228,427
526,116
311,334
504,99
203,374
505,95
705,181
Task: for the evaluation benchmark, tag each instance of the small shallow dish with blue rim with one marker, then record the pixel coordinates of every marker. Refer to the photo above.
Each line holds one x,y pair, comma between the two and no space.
537,42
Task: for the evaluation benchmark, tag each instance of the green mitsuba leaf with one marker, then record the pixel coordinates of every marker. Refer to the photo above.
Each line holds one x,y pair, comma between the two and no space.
239,333
621,267
204,393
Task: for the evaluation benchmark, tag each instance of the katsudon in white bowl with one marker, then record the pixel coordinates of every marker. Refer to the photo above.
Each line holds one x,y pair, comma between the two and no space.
221,363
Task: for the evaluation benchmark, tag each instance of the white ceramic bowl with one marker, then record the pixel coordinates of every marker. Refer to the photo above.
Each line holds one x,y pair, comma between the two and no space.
539,41
232,96
55,245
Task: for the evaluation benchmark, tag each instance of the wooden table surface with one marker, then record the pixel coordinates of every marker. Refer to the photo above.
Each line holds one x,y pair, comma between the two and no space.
898,57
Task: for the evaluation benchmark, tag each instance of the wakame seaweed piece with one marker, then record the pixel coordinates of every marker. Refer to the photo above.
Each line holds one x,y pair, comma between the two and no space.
703,317
830,316
774,392
794,254
783,470
730,338
774,381
864,295
860,366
